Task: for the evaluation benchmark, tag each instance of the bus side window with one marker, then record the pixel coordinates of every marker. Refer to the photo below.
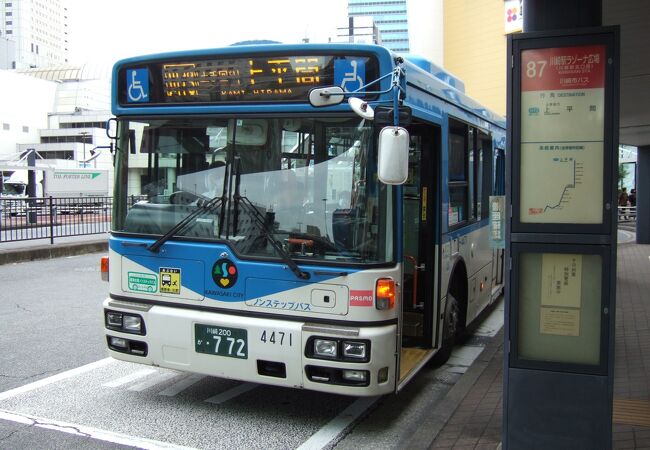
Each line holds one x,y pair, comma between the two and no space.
483,175
459,180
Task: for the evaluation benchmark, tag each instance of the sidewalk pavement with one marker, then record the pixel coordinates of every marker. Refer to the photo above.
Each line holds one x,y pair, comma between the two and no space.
470,416
30,250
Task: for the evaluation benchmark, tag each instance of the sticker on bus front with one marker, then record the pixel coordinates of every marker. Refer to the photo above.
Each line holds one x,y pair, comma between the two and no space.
349,74
361,298
137,83
170,280
142,282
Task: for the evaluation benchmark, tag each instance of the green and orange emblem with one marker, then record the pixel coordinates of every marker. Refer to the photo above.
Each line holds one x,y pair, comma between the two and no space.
224,273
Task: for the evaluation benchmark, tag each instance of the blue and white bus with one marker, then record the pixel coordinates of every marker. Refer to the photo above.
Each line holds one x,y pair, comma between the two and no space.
253,237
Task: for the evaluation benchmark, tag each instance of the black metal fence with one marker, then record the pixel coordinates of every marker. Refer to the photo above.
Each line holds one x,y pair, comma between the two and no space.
627,213
49,218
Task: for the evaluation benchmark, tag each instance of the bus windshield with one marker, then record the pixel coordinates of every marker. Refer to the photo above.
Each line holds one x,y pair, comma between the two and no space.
307,183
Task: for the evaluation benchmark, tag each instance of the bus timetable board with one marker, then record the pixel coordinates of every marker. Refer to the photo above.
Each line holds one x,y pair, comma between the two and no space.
223,79
562,134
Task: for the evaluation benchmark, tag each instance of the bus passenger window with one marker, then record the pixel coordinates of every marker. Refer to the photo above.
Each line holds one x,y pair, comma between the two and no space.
459,179
484,172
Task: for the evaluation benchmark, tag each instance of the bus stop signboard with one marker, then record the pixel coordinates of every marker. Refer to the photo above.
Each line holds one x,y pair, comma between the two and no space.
562,114
561,239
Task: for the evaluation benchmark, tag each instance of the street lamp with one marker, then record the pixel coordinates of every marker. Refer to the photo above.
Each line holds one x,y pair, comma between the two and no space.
83,140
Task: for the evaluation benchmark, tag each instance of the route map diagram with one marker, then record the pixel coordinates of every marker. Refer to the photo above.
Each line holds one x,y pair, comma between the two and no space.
569,189
566,192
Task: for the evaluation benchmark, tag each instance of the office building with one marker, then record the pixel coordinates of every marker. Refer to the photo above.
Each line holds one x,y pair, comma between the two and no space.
33,33
389,17
64,121
405,26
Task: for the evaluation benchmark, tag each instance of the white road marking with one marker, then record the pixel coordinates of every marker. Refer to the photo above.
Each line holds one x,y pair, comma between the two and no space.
464,356
152,381
128,378
94,433
493,322
180,386
231,393
54,378
336,426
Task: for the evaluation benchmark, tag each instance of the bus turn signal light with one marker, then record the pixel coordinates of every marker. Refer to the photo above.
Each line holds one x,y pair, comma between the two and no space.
385,294
104,267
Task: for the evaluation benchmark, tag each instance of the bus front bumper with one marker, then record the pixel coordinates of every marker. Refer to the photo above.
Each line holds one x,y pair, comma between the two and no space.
339,359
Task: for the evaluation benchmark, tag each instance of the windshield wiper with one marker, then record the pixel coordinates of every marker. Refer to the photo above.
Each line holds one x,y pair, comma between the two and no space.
203,207
260,221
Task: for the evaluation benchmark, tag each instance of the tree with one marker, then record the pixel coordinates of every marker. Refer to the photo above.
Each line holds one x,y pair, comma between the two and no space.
623,172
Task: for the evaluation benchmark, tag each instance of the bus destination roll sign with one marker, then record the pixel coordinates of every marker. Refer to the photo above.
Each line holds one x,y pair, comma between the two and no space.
251,79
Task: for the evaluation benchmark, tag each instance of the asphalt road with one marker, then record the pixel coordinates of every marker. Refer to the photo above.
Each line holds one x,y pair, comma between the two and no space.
58,389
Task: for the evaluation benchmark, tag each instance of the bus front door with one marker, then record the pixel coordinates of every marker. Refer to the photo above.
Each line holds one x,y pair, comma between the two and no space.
420,204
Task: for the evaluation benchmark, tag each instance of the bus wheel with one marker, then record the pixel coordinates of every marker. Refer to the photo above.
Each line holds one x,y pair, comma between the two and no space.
449,331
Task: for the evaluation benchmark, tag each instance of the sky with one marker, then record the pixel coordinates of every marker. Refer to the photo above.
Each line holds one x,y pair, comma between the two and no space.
110,30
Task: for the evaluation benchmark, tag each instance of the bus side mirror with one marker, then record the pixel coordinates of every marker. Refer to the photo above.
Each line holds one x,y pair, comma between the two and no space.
393,155
111,128
326,96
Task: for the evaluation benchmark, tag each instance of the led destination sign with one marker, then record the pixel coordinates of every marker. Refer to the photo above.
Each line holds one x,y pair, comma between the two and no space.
242,79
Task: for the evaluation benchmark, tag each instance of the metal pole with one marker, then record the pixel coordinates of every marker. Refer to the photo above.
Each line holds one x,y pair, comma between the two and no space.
51,222
543,15
643,196
31,186
83,141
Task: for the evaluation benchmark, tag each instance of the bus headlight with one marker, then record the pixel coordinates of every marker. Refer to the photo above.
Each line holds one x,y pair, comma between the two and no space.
337,349
355,350
132,324
113,319
124,322
325,348
118,342
357,376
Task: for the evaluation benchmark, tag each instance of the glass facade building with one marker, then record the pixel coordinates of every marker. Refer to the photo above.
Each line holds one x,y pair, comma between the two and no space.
389,17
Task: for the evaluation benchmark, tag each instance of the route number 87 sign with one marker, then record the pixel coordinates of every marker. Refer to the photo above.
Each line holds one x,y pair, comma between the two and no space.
562,134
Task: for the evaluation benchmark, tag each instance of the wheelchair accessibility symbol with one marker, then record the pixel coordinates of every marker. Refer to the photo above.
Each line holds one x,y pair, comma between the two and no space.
137,84
349,74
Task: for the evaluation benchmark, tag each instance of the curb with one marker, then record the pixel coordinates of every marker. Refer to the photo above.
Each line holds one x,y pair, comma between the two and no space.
442,411
52,251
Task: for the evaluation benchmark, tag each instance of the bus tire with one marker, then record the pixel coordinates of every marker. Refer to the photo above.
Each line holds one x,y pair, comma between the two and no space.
449,331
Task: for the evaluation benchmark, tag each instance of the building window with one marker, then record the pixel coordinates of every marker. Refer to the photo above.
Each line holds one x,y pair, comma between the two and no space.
65,139
8,5
5,126
9,22
101,125
25,129
57,154
8,13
